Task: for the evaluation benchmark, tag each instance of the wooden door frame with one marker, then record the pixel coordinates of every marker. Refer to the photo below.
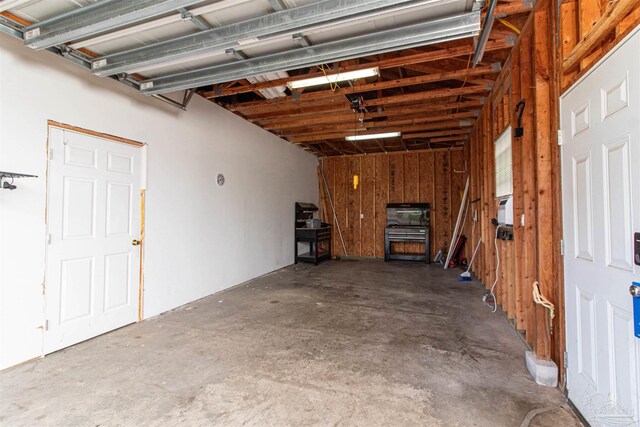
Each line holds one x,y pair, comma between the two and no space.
143,173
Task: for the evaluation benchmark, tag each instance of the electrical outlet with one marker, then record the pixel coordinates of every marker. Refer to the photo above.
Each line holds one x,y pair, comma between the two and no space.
361,216
522,220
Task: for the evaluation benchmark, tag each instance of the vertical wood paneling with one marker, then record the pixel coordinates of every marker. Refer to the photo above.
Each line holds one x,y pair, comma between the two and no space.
406,177
511,279
367,205
411,177
353,208
342,199
328,169
396,179
532,73
458,181
501,286
382,198
442,231
396,187
411,181
426,189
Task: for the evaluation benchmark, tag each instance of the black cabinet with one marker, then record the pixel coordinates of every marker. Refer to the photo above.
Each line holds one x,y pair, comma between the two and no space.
319,240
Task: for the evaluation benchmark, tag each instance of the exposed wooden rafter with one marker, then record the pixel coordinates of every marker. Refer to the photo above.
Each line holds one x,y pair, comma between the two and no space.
432,56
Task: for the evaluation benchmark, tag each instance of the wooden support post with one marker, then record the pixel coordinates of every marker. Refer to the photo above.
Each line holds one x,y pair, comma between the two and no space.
543,141
529,235
558,338
518,190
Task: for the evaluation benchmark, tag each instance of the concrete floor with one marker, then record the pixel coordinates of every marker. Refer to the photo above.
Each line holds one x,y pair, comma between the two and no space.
351,342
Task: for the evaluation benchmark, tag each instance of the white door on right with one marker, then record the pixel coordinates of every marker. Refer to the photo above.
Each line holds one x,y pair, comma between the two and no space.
600,121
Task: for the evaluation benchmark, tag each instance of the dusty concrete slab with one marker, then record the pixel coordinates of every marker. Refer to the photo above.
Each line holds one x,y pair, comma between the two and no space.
352,342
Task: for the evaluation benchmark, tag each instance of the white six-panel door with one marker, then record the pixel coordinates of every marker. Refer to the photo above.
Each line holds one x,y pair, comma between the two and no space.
93,210
600,121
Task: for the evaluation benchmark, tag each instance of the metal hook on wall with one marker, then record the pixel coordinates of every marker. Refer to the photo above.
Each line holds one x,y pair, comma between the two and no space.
6,179
464,171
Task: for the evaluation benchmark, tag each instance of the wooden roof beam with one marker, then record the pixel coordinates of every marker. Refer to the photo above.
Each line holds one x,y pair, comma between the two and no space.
427,95
385,126
320,137
512,8
409,81
466,131
349,118
341,102
401,61
392,110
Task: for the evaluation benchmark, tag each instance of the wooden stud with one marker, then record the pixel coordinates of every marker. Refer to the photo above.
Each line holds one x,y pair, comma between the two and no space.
426,190
367,205
543,143
353,207
381,200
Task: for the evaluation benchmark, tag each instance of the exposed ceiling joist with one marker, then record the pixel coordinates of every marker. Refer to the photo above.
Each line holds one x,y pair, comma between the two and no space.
453,138
457,131
427,95
388,84
341,102
435,55
407,108
446,29
349,118
379,127
425,89
235,35
503,10
438,130
96,18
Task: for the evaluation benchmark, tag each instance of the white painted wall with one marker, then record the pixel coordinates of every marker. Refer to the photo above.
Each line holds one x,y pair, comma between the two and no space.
200,238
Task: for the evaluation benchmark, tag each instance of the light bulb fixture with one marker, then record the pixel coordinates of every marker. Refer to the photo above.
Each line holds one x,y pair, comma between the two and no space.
333,78
373,136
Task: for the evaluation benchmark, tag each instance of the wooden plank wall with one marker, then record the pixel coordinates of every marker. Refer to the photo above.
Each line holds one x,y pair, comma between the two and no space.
436,176
536,71
532,255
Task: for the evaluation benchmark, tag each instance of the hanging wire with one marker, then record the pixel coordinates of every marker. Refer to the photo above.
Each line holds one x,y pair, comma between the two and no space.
538,298
464,82
508,25
334,85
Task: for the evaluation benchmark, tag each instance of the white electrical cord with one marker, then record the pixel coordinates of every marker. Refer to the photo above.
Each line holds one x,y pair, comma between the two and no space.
495,301
538,298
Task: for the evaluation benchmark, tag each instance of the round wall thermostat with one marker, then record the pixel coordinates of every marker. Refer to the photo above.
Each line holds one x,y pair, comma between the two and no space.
220,180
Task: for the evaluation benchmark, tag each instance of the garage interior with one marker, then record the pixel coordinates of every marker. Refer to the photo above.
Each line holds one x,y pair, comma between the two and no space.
319,212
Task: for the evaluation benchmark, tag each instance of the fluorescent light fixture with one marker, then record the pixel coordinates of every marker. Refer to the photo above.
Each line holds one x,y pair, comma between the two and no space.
373,136
333,78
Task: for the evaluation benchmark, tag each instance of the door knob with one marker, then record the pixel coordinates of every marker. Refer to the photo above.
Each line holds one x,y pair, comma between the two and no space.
634,290
135,242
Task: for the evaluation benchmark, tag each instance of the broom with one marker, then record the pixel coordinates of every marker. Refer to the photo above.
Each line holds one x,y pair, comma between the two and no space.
466,276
